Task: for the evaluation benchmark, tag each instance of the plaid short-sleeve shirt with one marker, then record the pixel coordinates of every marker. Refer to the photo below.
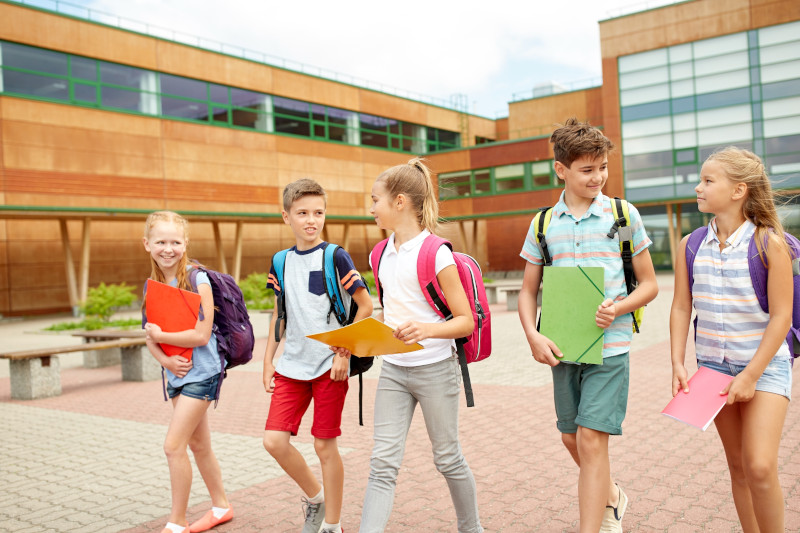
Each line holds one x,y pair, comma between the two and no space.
584,241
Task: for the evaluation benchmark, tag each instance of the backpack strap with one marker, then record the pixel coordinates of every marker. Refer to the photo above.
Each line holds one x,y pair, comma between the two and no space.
332,285
429,283
622,226
375,257
540,221
426,273
279,265
696,238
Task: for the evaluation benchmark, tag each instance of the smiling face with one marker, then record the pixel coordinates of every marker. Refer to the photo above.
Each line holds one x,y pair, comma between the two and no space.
585,178
306,217
166,244
715,191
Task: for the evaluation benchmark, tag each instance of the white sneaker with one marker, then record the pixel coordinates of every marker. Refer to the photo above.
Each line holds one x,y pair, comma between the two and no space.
612,518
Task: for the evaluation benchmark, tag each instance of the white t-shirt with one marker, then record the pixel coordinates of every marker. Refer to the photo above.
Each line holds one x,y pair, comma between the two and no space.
403,299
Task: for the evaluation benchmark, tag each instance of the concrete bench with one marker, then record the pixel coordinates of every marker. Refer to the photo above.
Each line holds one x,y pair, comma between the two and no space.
512,297
37,373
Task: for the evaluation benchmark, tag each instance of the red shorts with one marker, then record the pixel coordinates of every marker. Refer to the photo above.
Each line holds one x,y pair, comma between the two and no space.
291,399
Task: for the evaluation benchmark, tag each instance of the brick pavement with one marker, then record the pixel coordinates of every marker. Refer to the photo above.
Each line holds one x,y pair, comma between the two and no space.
91,459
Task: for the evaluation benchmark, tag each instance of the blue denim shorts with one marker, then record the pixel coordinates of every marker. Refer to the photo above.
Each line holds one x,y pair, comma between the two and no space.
202,390
777,377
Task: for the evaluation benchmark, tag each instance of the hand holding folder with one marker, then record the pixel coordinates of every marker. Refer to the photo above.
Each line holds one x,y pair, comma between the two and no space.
570,297
703,402
366,338
172,309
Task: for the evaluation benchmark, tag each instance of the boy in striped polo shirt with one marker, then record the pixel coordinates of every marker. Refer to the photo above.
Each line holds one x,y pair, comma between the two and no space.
590,400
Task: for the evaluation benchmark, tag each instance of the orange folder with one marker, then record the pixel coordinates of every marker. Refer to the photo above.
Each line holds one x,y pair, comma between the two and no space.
366,338
172,309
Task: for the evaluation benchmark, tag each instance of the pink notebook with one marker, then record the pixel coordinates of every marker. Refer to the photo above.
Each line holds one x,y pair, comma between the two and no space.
703,402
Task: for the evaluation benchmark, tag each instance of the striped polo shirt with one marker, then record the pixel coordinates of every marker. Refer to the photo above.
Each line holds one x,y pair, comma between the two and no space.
730,322
584,241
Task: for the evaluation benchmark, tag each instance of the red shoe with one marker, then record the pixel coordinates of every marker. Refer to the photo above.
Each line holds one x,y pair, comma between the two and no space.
208,521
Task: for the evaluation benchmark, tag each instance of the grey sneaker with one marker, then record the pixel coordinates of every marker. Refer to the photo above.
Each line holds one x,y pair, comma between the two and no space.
314,513
332,530
612,518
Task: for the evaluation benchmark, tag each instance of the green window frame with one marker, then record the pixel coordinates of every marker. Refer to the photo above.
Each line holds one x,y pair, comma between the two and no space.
493,181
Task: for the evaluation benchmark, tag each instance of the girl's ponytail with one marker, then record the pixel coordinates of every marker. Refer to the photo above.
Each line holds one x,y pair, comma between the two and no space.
415,181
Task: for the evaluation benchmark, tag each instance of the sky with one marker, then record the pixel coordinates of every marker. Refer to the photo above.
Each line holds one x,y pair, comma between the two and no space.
480,53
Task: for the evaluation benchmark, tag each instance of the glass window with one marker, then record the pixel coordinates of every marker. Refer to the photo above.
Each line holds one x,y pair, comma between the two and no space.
36,59
788,70
650,126
779,53
720,45
777,127
35,85
483,182
781,145
180,108
721,63
643,145
83,68
655,109
541,173
681,71
218,93
372,122
649,178
732,133
651,160
85,93
642,60
185,87
680,52
684,139
509,178
781,89
782,107
245,118
723,98
722,82
642,78
122,75
779,34
244,98
454,184
686,156
120,98
726,115
652,93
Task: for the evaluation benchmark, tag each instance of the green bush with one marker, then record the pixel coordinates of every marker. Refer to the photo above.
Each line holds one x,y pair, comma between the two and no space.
102,301
369,279
256,294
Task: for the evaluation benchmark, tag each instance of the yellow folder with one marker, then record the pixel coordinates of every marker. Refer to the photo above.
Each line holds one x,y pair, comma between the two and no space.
366,338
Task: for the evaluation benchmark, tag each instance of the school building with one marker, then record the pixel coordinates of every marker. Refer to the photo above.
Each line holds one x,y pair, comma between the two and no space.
103,121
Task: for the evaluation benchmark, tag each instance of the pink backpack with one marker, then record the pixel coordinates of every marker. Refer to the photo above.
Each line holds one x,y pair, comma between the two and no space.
477,345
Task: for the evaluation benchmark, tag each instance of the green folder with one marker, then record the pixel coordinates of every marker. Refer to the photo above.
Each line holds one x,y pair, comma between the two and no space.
570,297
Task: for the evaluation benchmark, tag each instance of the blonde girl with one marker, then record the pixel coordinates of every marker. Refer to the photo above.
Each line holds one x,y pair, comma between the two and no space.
733,334
404,202
192,384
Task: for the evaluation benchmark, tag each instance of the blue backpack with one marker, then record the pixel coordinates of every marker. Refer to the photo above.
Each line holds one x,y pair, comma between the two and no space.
758,276
344,314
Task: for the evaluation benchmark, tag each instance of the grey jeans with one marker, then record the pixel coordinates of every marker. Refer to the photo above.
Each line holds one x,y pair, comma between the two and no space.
436,388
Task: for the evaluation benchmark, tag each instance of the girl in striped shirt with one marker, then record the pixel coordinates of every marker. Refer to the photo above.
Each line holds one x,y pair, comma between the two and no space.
733,335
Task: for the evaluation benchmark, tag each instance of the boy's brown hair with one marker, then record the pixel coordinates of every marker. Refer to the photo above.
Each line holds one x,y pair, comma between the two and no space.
302,187
576,139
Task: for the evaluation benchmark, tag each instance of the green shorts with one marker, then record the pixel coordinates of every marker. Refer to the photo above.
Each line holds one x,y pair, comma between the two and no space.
592,396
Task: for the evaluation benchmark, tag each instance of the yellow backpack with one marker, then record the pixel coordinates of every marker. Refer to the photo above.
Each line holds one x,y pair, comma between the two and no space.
621,225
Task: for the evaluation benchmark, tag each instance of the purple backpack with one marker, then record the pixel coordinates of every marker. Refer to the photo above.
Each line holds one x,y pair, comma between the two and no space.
477,345
758,276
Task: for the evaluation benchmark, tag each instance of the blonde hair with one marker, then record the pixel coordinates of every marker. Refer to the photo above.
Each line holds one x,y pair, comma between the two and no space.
743,166
415,181
302,187
182,275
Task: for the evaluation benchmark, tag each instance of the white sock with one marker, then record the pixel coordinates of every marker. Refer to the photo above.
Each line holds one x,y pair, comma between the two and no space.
175,528
336,528
319,498
219,511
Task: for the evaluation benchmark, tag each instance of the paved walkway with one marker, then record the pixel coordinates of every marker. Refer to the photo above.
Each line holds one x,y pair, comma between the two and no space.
91,459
